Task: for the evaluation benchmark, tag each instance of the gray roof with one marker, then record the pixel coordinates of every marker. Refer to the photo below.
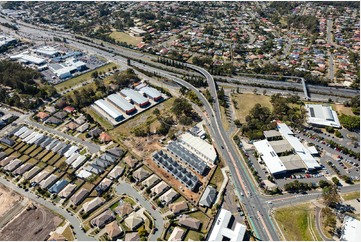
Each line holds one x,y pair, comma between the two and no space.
23,168
108,157
53,120
208,197
181,173
121,102
151,92
103,218
116,151
58,186
7,141
186,156
94,169
109,109
79,196
60,115
134,95
271,133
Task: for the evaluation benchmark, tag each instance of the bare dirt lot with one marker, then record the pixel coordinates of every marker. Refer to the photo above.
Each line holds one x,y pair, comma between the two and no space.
35,224
8,199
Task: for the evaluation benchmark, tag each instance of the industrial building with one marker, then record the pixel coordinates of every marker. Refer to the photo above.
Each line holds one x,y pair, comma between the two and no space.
284,155
109,109
135,97
351,229
181,173
225,228
319,115
121,103
137,32
28,59
47,51
66,69
151,93
200,147
6,40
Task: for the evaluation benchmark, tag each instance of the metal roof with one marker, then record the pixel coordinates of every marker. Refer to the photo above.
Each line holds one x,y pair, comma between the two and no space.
134,95
121,102
151,92
269,156
109,109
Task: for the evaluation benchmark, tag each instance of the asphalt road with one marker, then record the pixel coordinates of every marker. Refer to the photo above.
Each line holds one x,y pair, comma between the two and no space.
80,234
159,223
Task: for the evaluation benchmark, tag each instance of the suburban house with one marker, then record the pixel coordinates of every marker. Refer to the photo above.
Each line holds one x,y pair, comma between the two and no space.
140,174
67,191
169,196
159,188
133,221
177,234
132,236
189,222
178,207
208,197
124,209
102,219
150,181
88,207
78,197
113,230
116,172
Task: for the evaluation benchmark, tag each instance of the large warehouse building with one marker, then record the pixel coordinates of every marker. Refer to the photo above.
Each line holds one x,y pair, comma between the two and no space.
322,116
66,69
285,155
151,93
135,97
109,109
121,103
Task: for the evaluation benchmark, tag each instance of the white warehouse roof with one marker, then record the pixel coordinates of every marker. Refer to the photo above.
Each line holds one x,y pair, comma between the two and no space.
47,50
351,229
300,149
151,92
121,102
221,228
322,115
134,95
201,148
269,156
109,109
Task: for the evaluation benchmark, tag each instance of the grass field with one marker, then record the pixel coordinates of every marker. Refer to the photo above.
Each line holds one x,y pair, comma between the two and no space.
25,147
351,195
68,234
246,101
53,159
129,200
24,158
217,178
31,149
341,109
98,118
123,37
41,154
224,120
82,78
124,130
294,222
36,151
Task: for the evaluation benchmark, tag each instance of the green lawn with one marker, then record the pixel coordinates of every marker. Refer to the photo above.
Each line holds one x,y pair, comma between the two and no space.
129,200
123,37
82,78
24,158
98,118
293,222
194,235
18,146
217,178
246,101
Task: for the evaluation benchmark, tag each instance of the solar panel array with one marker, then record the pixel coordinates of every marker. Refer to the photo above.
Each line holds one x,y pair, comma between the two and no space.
187,157
181,173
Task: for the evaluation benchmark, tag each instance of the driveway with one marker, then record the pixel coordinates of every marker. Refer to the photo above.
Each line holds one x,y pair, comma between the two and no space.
73,220
159,223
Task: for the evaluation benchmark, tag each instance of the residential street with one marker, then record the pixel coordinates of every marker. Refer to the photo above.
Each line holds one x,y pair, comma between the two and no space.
159,223
73,220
